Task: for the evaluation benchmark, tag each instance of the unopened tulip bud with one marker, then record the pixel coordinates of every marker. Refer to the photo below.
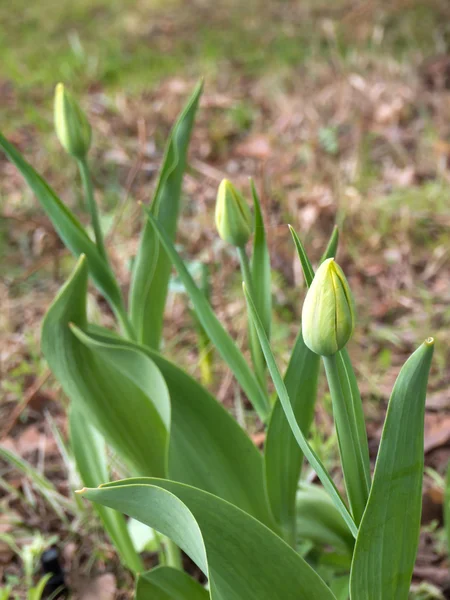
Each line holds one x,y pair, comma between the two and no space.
234,220
72,127
328,315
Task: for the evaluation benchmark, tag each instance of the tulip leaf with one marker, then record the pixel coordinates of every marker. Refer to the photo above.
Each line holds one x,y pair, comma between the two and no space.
89,450
308,271
69,229
332,246
151,269
119,389
166,583
217,334
283,456
242,559
285,401
319,521
388,535
208,449
351,431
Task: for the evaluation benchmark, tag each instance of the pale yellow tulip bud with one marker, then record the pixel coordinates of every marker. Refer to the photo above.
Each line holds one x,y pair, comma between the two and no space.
234,220
72,127
328,316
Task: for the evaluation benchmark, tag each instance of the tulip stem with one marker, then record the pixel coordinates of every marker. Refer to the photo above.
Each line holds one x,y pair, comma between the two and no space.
352,454
92,206
255,348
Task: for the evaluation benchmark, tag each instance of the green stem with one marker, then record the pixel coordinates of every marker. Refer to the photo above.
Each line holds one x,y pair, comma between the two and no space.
173,554
255,348
92,206
352,454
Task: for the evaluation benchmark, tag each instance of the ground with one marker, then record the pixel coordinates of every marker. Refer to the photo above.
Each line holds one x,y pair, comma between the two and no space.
340,113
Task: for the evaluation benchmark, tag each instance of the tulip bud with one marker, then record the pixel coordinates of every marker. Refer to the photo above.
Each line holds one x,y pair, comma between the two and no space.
328,315
234,220
72,127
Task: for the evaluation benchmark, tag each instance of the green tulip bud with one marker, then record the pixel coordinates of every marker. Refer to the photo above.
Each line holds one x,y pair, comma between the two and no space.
72,127
234,220
328,316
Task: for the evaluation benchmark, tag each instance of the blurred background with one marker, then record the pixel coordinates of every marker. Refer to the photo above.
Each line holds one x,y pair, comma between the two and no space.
340,111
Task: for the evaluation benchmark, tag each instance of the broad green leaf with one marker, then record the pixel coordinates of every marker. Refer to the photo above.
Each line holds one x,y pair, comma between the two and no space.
151,270
388,536
283,456
219,337
117,388
318,520
89,449
260,266
208,449
69,229
283,396
242,559
166,583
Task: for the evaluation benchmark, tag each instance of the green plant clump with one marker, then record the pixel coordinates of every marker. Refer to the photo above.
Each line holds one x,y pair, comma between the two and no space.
193,474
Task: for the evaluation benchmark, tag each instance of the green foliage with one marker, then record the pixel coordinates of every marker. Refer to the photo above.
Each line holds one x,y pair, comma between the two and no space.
197,477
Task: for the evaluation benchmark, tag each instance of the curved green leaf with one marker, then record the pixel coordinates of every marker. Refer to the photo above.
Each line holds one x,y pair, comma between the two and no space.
69,229
89,450
219,337
118,387
388,536
319,520
166,583
208,449
151,270
242,559
282,454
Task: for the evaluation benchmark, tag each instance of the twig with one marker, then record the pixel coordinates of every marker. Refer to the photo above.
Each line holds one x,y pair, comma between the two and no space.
31,393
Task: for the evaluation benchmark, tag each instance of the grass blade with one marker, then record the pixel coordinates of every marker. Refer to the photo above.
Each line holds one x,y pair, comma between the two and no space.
44,486
388,536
